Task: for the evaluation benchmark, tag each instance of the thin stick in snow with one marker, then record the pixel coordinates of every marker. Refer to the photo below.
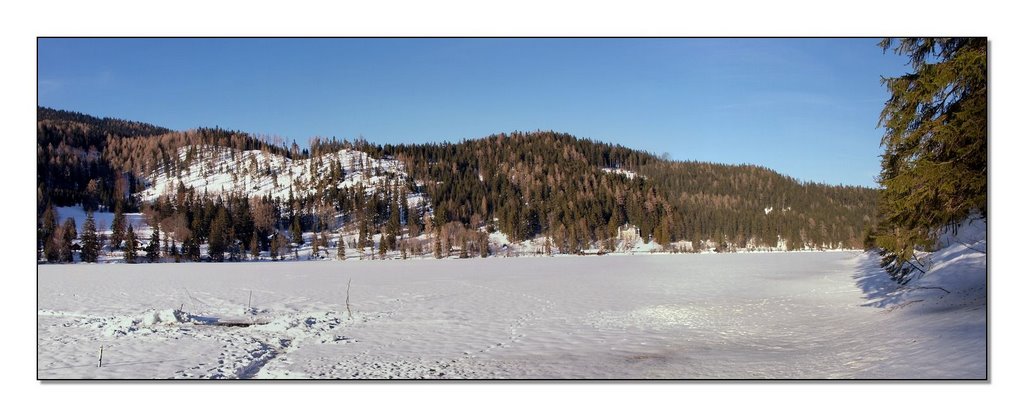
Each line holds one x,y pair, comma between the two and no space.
249,306
347,307
191,300
100,365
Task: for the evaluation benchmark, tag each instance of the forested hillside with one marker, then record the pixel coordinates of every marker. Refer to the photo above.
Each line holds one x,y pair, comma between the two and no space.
236,195
553,184
71,162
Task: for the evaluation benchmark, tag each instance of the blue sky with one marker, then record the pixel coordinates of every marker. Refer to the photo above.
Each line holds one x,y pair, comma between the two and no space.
804,107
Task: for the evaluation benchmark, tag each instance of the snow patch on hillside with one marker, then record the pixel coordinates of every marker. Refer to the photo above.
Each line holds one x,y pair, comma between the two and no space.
219,170
619,171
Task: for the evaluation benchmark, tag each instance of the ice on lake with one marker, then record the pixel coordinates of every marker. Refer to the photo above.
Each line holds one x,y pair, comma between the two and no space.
769,315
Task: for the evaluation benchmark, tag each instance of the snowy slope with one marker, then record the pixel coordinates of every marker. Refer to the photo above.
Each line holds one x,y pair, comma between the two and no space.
955,274
950,300
216,170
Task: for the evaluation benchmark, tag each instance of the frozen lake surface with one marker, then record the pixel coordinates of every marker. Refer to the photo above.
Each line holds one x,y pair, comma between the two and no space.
769,315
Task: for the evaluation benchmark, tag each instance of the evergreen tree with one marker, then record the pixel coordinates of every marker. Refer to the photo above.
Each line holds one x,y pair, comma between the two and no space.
70,229
220,236
117,227
437,245
296,231
49,225
275,246
52,246
68,235
174,252
90,242
394,225
404,204
153,249
415,220
131,243
341,247
254,246
190,248
934,166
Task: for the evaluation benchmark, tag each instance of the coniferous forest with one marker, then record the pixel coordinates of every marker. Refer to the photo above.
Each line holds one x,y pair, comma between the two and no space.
572,194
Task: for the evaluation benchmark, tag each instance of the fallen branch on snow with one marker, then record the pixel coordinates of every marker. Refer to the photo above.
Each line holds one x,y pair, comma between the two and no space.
928,288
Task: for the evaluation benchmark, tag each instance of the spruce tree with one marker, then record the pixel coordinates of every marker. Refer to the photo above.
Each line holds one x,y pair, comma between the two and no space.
219,236
296,231
90,242
404,204
49,225
274,248
254,246
394,225
934,166
51,248
190,248
70,229
131,243
153,249
341,247
68,235
117,227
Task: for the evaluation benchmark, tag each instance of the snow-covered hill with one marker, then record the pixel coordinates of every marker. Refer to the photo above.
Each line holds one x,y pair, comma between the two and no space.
218,170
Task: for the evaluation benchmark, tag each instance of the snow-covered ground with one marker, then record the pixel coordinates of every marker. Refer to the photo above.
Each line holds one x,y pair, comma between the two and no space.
778,315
